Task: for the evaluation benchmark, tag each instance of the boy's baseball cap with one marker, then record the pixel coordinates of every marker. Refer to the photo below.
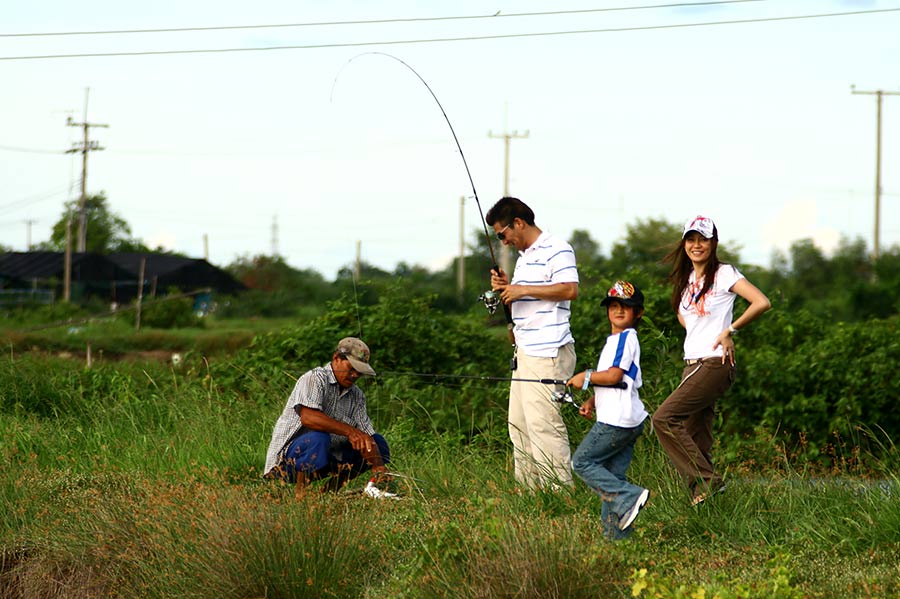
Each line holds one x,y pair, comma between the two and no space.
701,224
357,353
625,292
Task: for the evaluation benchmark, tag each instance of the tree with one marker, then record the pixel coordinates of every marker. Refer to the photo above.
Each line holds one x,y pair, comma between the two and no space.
274,288
106,230
272,273
646,243
587,251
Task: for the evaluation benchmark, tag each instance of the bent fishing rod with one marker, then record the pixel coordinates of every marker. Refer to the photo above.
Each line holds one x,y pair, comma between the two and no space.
490,298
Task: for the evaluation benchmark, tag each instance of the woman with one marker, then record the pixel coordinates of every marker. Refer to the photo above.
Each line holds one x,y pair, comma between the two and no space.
703,296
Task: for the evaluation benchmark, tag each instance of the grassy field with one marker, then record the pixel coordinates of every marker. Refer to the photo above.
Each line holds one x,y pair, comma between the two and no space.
143,480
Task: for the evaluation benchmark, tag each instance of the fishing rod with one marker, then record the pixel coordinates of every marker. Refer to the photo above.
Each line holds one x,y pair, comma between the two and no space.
564,396
490,298
477,377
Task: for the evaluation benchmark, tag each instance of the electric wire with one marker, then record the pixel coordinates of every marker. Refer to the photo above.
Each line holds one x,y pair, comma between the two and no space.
446,39
33,200
30,150
497,15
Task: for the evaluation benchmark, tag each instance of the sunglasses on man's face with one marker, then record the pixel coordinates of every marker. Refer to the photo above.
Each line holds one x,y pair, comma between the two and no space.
502,235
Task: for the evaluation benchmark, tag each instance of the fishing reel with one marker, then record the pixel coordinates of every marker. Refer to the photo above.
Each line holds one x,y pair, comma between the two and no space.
565,396
491,300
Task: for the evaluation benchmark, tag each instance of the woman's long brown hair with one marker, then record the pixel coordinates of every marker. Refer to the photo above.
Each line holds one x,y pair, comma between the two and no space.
682,267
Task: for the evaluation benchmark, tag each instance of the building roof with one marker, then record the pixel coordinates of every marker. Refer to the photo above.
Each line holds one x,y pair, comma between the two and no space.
170,270
166,270
27,266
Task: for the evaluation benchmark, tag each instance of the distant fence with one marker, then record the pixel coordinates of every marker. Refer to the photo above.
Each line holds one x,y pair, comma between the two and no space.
20,297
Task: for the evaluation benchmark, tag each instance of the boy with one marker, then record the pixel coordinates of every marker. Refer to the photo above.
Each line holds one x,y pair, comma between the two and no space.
605,453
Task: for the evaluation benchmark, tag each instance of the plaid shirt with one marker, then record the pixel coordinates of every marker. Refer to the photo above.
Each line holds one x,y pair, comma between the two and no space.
318,389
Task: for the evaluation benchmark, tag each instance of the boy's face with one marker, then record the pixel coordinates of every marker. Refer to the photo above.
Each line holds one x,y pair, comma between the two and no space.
622,317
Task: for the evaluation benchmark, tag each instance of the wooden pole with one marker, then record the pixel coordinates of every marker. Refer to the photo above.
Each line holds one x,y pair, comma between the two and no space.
140,296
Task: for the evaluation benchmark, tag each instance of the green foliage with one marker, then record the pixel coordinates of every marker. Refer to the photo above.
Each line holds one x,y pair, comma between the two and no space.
645,244
274,288
169,312
41,314
777,586
142,480
408,338
848,286
812,381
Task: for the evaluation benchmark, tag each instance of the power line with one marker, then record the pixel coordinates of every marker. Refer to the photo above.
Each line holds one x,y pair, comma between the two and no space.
450,39
497,15
30,150
34,199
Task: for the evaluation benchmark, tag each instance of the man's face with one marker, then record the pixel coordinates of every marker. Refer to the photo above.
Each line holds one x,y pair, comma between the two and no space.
344,372
509,234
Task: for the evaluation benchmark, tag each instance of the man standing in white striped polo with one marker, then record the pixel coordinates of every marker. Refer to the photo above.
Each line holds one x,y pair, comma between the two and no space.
543,285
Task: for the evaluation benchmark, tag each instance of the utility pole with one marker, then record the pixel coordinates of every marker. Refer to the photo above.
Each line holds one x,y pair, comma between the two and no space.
140,294
879,94
275,236
67,263
28,223
506,251
461,270
86,146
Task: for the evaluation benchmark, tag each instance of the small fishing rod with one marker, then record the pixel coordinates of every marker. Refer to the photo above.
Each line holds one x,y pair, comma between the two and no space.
564,396
476,377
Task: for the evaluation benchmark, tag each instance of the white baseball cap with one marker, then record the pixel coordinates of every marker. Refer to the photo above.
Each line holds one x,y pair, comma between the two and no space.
701,224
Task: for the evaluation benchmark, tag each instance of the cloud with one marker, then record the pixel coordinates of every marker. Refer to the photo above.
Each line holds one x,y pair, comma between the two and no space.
797,220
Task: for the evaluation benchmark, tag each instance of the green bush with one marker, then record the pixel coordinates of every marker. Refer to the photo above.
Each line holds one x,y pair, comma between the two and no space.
411,343
169,313
814,382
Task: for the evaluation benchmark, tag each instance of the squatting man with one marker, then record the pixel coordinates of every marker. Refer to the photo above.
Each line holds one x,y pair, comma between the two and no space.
325,429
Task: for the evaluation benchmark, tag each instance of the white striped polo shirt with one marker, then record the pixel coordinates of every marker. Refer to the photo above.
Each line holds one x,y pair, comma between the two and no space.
542,326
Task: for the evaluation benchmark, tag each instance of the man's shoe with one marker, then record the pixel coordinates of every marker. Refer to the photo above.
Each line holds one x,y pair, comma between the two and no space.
375,493
701,497
631,514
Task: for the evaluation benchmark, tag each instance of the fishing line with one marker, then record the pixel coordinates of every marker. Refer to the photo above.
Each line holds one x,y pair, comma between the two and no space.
490,298
356,300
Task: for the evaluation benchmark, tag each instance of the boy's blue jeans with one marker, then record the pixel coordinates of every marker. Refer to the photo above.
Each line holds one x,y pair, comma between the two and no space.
601,461
311,452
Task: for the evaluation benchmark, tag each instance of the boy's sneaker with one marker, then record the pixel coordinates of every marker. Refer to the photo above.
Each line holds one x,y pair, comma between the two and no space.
631,514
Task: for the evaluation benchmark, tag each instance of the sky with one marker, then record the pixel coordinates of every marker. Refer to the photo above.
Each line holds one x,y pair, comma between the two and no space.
303,140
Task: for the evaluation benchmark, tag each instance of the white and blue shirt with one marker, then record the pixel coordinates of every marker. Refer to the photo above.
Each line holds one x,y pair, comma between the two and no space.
621,407
542,326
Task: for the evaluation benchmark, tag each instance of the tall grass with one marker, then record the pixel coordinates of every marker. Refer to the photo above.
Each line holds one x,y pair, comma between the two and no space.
143,481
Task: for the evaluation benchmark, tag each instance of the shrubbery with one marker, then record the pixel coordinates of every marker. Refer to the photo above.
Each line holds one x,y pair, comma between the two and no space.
815,382
802,381
408,338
